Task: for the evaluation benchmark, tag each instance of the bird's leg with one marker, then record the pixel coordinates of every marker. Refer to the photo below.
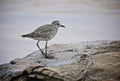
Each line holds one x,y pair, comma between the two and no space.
39,47
46,55
46,49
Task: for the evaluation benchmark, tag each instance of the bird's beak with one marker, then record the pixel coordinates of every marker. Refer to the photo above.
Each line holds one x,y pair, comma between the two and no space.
62,26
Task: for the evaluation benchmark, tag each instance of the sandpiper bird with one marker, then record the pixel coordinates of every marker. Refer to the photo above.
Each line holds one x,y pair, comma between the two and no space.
44,33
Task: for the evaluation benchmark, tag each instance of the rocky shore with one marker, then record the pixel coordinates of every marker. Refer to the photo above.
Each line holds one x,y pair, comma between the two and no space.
84,61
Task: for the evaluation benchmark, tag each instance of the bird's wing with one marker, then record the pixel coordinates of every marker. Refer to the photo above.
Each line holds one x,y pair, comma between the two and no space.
43,31
42,28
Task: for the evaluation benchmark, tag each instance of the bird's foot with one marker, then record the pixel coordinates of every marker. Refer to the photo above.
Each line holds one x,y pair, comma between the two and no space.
49,56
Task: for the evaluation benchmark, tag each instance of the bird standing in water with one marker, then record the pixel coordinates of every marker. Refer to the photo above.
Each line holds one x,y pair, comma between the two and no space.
44,33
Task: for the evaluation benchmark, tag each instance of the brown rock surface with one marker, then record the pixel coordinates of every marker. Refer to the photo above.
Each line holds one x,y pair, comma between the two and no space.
85,61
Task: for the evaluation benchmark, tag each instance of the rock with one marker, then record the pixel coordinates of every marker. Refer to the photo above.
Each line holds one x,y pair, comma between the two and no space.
15,61
85,61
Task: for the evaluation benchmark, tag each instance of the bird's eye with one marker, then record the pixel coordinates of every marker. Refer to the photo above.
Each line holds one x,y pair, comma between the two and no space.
57,24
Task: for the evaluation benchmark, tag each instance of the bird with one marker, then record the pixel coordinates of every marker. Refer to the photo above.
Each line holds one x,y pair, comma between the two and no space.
44,33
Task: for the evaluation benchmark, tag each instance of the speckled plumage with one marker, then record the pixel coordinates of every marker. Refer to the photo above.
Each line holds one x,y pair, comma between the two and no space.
44,33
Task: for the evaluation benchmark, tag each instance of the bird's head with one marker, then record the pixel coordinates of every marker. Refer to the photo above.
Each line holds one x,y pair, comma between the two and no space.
57,24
